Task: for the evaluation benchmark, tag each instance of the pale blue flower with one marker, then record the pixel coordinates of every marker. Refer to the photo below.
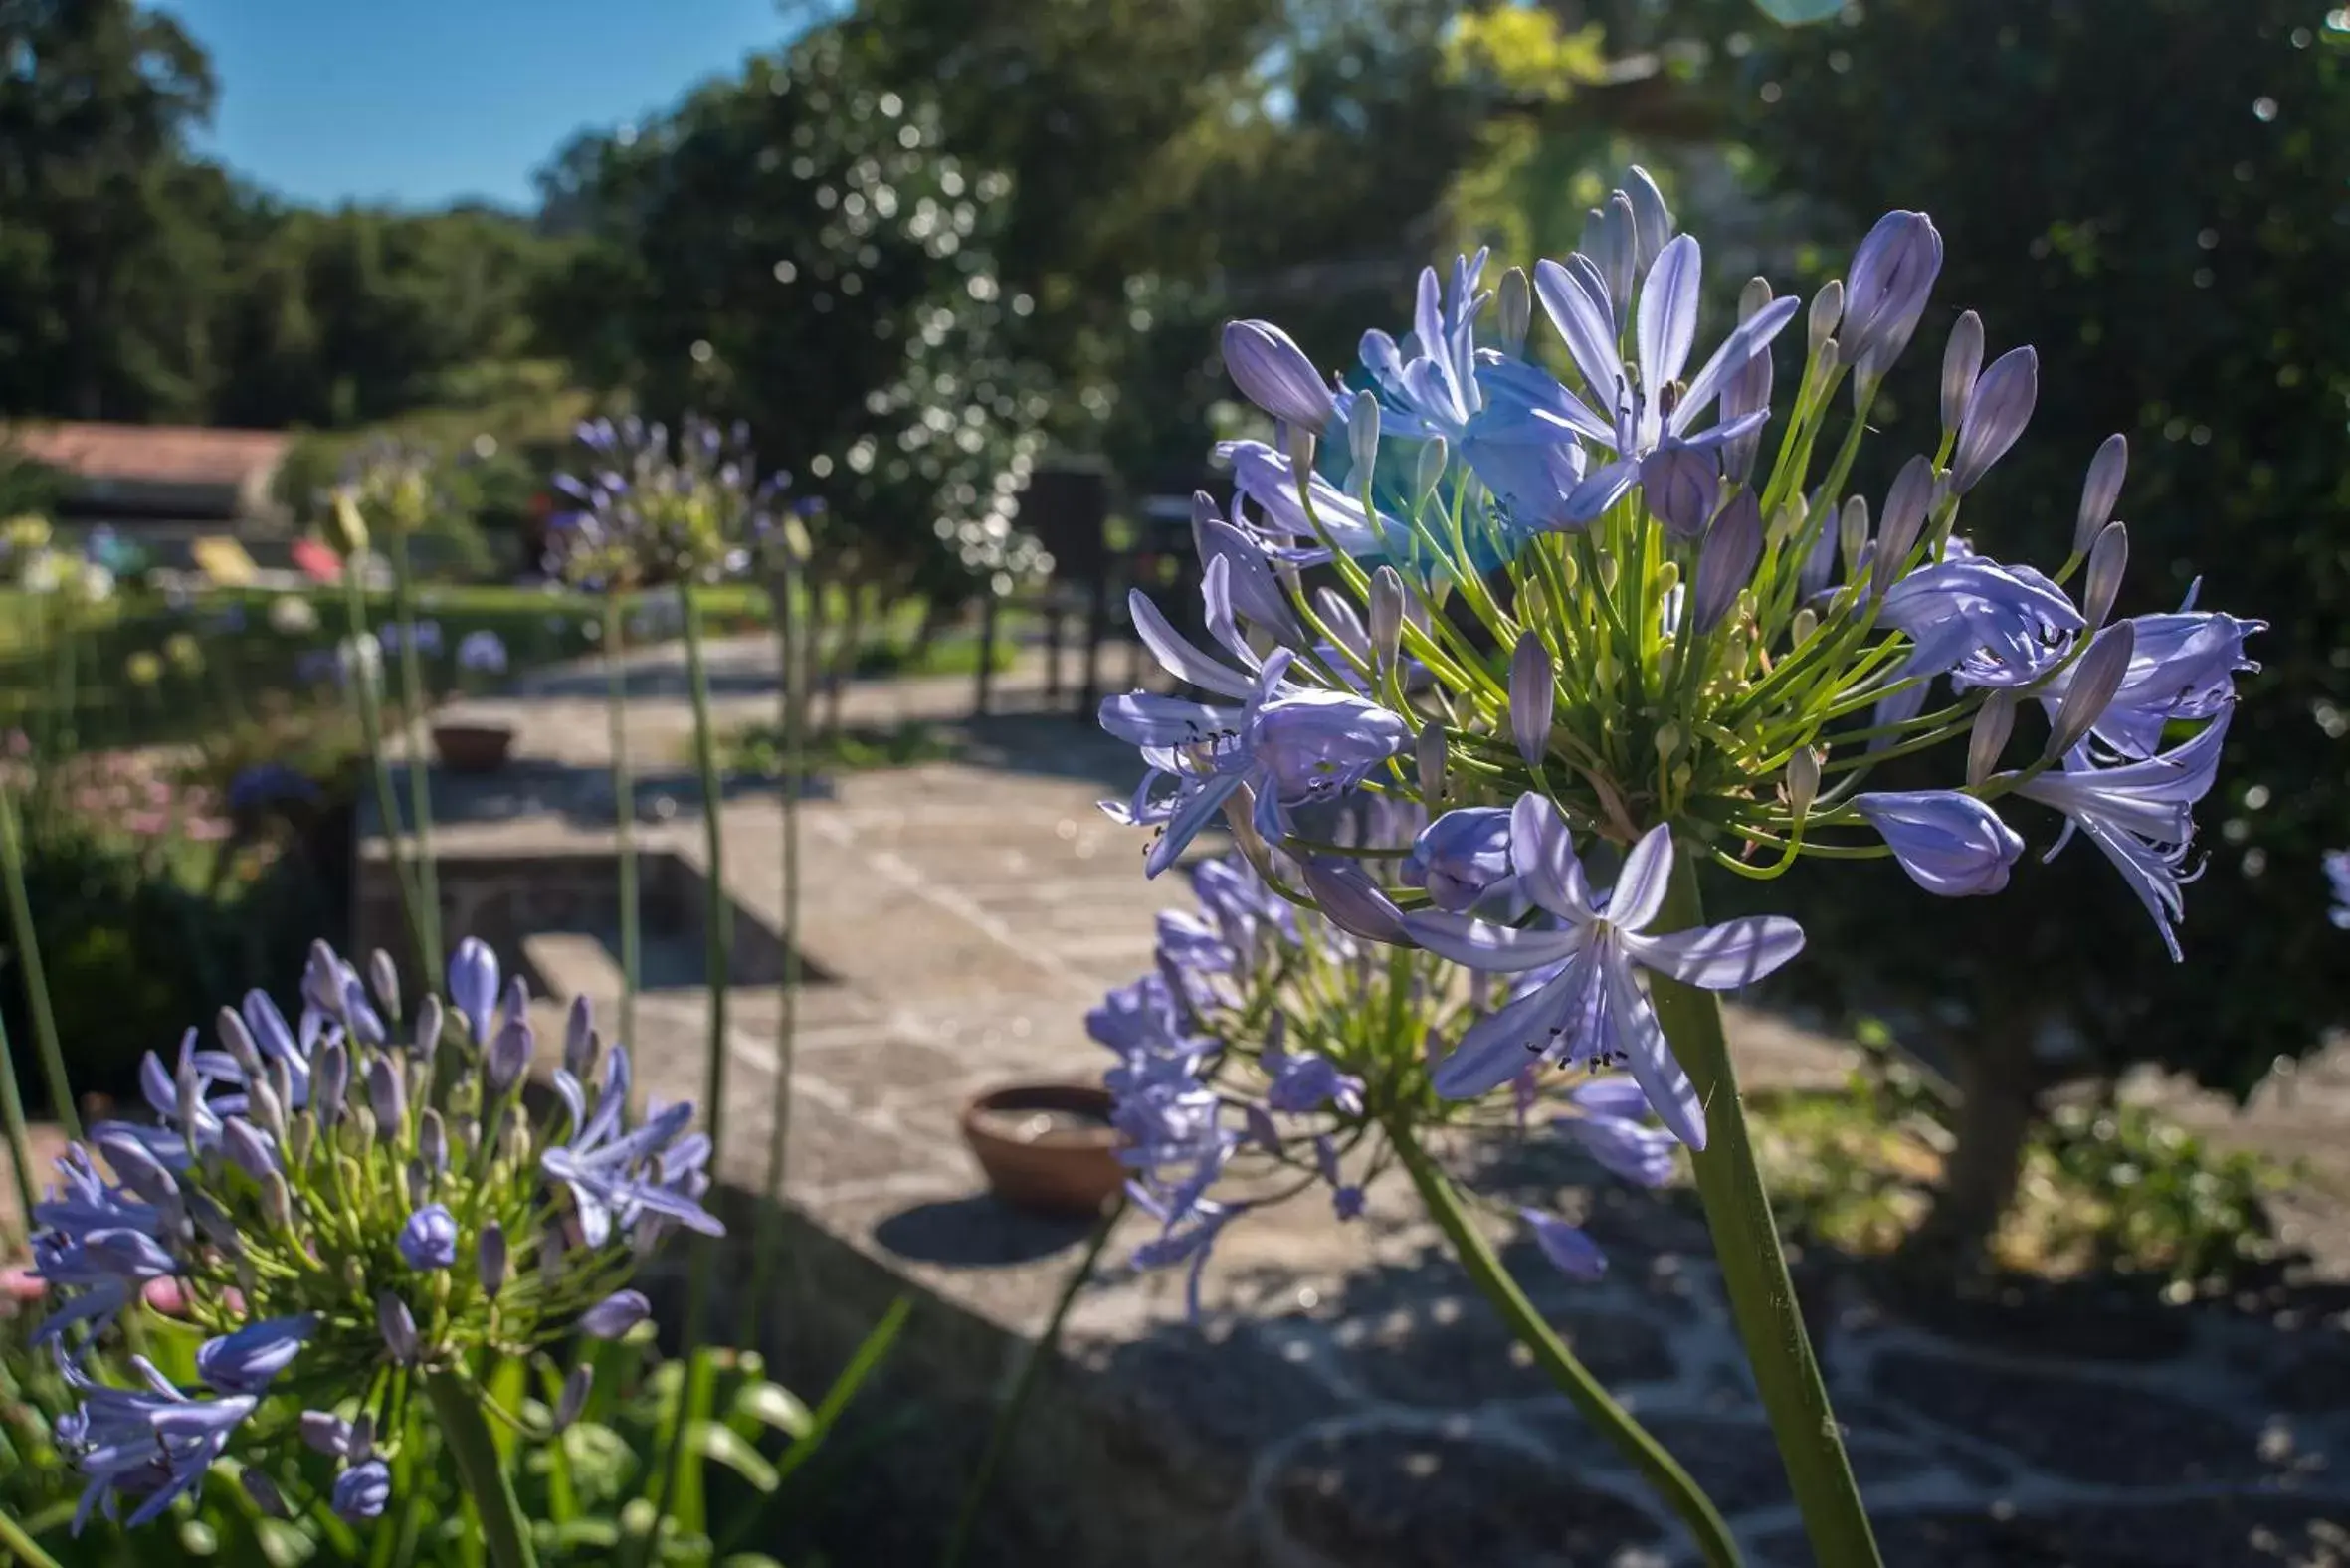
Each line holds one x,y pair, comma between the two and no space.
428,1241
249,1360
615,1174
1950,843
2182,669
1463,860
2337,876
363,1491
153,1446
1982,622
615,1315
1564,1247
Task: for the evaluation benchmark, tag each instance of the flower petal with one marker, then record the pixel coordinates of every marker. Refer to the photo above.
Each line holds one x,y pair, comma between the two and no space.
1501,1045
1542,855
1667,327
1650,1057
1177,655
1639,893
1721,957
1490,948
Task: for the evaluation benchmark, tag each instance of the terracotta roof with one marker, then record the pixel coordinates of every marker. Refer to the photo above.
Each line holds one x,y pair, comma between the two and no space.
154,454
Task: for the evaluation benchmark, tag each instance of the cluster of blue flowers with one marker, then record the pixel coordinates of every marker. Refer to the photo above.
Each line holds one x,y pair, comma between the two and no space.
1572,617
346,1204
1270,1049
651,509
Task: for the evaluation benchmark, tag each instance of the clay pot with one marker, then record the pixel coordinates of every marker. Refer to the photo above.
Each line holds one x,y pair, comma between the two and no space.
1047,1147
473,748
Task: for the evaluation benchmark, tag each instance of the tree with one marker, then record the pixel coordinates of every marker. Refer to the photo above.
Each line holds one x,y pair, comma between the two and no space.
2151,192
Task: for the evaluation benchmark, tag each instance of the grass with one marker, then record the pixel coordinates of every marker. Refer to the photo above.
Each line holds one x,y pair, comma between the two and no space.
757,749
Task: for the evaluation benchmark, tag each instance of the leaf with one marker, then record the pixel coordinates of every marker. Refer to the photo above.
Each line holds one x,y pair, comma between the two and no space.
862,1365
750,1560
723,1445
1796,13
773,1405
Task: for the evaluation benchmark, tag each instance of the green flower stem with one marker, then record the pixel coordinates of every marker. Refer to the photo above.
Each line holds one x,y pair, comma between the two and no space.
20,1136
1754,1266
387,802
28,954
456,1404
21,1547
1574,1379
790,631
413,698
999,1432
717,942
623,817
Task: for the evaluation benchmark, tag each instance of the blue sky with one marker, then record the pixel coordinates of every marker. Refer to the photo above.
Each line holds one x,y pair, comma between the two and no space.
421,102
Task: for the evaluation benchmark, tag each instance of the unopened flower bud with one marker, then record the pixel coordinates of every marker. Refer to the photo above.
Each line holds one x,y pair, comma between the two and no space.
385,979
1726,562
468,1132
1828,309
574,1397
1652,220
324,1431
431,1017
1302,450
1789,520
2108,558
490,1259
1517,311
398,1326
1962,362
1801,626
615,1315
432,1140
1892,272
2100,492
1906,504
264,1492
1362,437
1668,740
1274,373
1668,577
1428,757
237,1040
387,1095
1386,617
1434,454
214,1223
579,1038
1609,239
1803,780
1533,695
248,1147
346,530
267,1110
1852,534
360,1445
1996,410
1753,298
1608,571
330,1079
300,1138
277,1201
1995,720
2096,676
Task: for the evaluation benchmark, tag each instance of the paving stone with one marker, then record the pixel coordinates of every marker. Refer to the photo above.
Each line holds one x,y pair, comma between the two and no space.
2220,1532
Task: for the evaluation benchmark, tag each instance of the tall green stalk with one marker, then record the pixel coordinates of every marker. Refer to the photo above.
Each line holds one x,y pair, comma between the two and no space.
1572,1377
1754,1265
623,810
15,1544
387,802
465,1434
999,1432
20,1136
413,700
790,629
717,942
28,954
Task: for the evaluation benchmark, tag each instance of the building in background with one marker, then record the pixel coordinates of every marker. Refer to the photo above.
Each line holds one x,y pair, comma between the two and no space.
163,489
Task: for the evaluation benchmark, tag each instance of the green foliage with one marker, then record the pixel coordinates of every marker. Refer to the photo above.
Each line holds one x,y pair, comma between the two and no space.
2165,252
2105,1186
757,749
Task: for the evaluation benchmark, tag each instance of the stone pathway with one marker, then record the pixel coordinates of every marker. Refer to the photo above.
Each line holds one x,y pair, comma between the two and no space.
1344,1399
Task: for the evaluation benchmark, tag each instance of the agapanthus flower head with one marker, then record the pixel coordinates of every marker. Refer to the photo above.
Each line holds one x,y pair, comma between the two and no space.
483,651
309,1189
651,508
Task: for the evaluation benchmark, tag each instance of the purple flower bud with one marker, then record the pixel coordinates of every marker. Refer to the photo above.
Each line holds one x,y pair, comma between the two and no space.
579,1038
1625,1148
1683,484
1262,1130
1350,900
387,1095
248,1148
1727,561
1906,504
249,1360
1652,220
1852,535
490,1259
518,1001
2108,558
2094,680
1995,720
1611,241
264,1492
574,1397
1386,617
277,1201
362,1492
1886,290
324,1431
473,986
1533,695
615,1315
1274,373
398,1326
1747,391
386,981
429,1240
1462,858
1996,415
510,1055
137,1167
330,1080
432,1141
1516,303
237,1040
2100,492
1567,1248
1428,757
1951,845
431,1019
1962,362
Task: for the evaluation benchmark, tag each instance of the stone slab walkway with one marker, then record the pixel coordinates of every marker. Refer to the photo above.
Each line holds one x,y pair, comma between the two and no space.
1343,1399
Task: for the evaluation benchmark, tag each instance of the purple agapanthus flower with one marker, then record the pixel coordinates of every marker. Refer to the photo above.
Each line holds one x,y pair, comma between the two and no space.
363,1491
1187,1234
427,1240
1565,1247
1274,373
1982,622
2182,669
99,1242
1594,1008
249,1360
154,1446
615,1174
1289,745
482,651
264,784
1462,858
1612,1128
1950,843
1305,1082
2337,876
1265,479
2140,814
1645,407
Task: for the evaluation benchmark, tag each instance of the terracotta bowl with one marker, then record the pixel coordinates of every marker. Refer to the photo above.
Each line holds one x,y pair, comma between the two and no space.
473,748
1047,1147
